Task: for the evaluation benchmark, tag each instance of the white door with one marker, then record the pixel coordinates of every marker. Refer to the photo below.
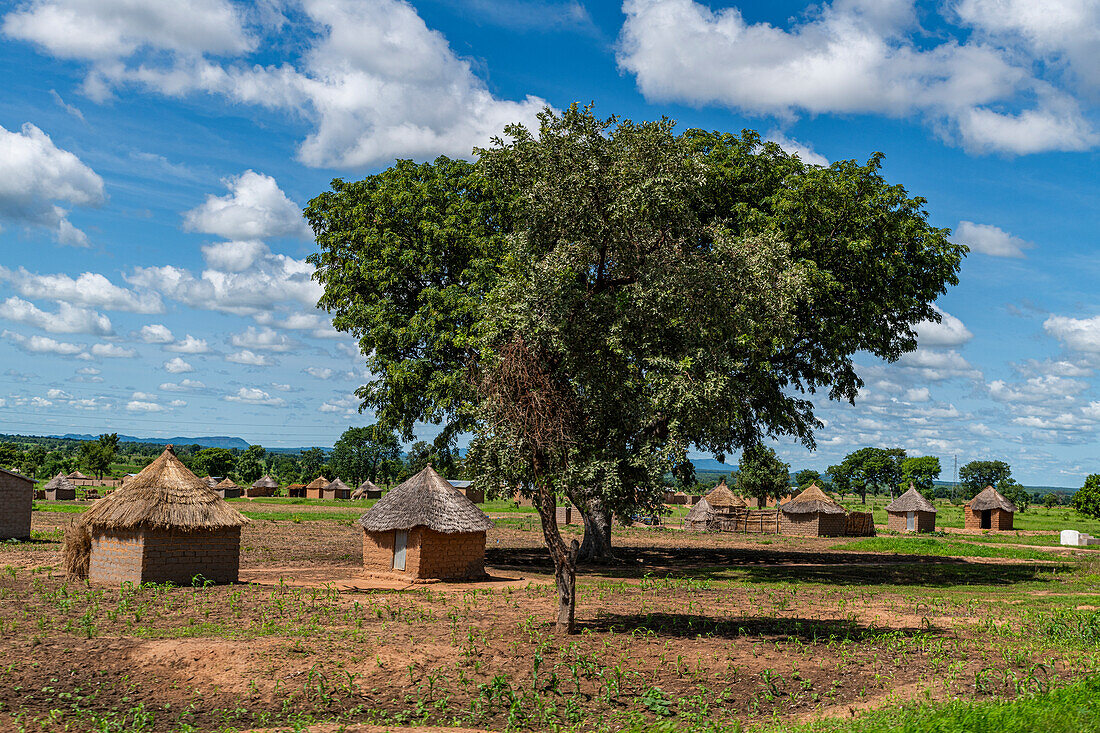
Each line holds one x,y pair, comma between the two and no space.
910,520
400,539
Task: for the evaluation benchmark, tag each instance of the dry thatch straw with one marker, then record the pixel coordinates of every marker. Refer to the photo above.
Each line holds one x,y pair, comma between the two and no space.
76,551
227,483
990,498
699,515
812,501
318,483
426,500
721,497
60,481
265,482
164,495
364,488
911,501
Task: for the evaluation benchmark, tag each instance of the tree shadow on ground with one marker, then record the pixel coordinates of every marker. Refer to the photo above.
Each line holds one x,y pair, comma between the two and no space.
684,626
838,568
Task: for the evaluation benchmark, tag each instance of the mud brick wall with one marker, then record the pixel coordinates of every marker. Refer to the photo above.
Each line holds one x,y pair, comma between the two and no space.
16,497
459,555
923,522
172,556
813,525
378,552
116,557
999,519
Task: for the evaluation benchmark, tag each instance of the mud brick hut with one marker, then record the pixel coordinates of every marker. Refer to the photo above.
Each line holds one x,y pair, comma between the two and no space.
265,486
696,519
723,501
16,502
227,489
425,529
60,488
315,489
337,489
164,526
989,510
367,490
911,512
812,513
296,490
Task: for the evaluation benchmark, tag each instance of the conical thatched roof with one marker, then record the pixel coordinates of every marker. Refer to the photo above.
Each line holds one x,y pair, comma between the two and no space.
60,481
337,485
911,501
318,483
211,481
701,512
990,498
425,500
266,483
363,488
812,501
721,497
227,483
77,475
165,495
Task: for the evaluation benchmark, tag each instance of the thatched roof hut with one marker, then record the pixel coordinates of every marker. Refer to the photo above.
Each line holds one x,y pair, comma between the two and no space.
700,514
911,512
263,486
724,501
367,490
990,509
77,476
296,490
227,489
59,488
16,505
337,489
425,529
315,488
164,525
814,513
209,481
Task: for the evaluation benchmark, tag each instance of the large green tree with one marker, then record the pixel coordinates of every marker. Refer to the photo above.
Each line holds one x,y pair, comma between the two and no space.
976,475
762,475
870,469
98,455
1086,500
250,464
365,453
921,472
214,462
808,476
595,297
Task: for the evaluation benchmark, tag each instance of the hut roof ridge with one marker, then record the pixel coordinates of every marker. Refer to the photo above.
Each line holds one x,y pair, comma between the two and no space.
812,500
721,496
318,483
911,501
60,481
990,498
265,482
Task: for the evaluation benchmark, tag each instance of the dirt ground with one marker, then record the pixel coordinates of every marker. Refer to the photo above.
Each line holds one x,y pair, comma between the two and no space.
704,630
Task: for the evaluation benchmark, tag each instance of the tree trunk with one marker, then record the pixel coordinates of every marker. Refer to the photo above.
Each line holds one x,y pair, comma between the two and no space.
863,494
596,546
564,557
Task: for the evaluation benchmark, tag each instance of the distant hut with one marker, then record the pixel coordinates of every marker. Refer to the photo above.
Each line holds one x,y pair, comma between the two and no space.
911,512
77,476
60,488
16,502
989,510
367,490
812,513
296,490
265,486
696,519
210,481
336,489
467,489
315,489
227,489
425,529
723,501
164,526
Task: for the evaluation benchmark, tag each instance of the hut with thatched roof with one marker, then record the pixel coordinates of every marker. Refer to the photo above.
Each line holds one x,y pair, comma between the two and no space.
164,526
211,481
367,490
337,489
425,529
911,512
696,519
16,504
263,486
315,489
227,489
723,501
296,490
812,513
989,510
60,488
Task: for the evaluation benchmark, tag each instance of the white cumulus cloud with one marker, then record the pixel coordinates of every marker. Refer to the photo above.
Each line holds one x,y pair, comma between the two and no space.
88,289
67,319
255,396
176,365
255,208
155,333
990,240
189,345
250,358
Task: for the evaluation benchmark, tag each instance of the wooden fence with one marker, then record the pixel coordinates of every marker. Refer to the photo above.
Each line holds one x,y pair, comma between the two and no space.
752,521
859,524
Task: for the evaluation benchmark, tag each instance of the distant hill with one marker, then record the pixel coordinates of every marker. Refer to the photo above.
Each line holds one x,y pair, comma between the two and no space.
216,441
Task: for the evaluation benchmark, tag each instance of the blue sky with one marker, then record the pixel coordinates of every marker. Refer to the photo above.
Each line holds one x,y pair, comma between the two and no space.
154,158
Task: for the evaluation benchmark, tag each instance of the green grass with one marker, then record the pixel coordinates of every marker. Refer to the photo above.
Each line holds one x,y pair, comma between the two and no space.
1070,709
941,548
1036,518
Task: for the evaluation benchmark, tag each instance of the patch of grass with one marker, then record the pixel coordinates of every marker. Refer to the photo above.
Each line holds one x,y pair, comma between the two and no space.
940,548
61,507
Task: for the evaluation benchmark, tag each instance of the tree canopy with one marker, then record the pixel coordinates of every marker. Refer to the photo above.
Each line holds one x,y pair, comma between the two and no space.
921,472
762,475
976,475
1087,498
594,297
365,453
